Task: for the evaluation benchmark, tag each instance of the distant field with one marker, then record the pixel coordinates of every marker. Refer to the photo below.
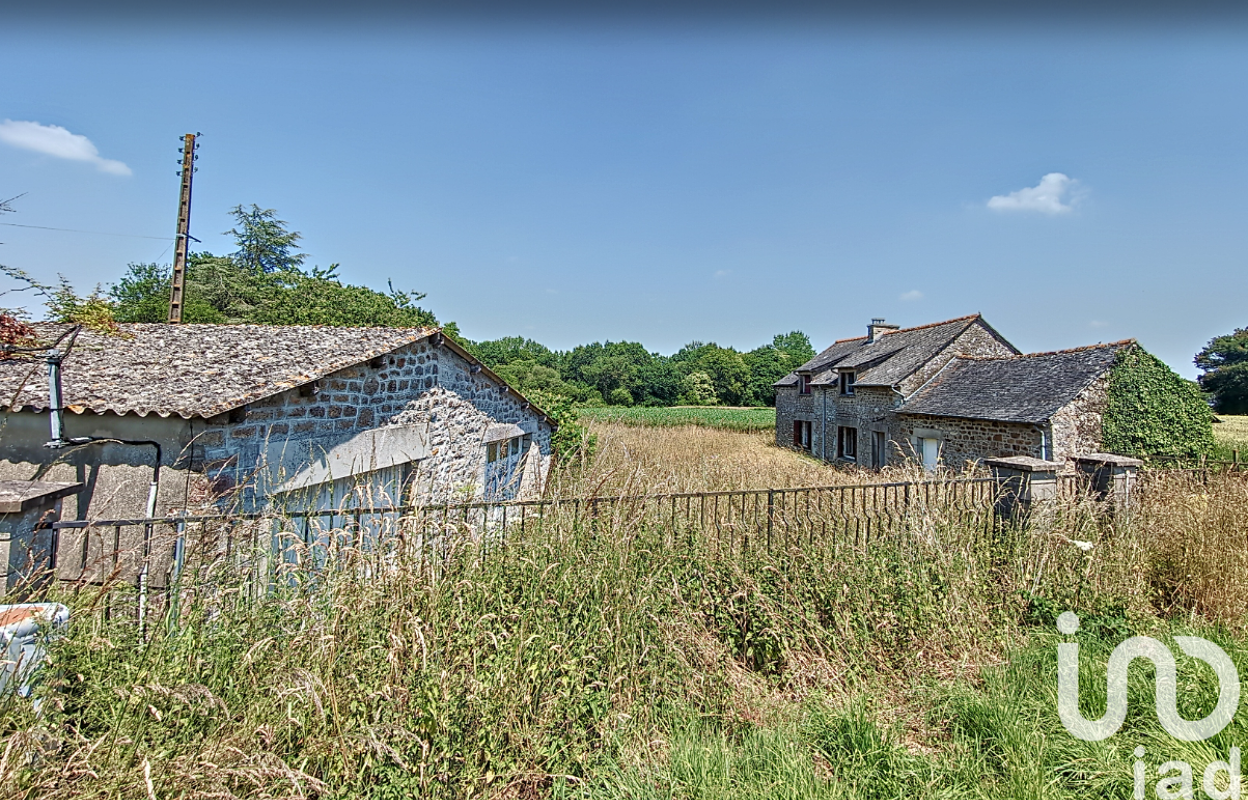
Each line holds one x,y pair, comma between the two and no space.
736,419
1232,433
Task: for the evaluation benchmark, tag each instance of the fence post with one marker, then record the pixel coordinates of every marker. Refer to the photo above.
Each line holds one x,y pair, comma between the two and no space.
27,540
1111,477
1022,483
771,515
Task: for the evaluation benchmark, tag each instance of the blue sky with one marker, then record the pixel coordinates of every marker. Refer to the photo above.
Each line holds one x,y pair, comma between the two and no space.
665,180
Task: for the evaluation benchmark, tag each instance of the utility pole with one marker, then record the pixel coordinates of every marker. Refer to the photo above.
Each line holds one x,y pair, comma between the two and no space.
184,227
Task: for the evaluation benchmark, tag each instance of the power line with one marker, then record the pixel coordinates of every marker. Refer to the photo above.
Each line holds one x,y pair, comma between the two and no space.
97,233
162,252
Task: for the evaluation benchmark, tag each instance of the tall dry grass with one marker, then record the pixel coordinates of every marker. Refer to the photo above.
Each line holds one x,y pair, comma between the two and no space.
641,460
1195,531
618,657
1230,435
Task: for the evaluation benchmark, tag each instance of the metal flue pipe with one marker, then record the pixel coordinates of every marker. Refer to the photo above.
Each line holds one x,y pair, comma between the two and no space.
56,403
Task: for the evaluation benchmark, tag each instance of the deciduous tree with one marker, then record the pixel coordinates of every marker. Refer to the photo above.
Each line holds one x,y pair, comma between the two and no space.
1224,362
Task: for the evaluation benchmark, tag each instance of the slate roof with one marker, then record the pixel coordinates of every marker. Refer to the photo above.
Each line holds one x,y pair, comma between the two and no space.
891,358
1027,389
192,370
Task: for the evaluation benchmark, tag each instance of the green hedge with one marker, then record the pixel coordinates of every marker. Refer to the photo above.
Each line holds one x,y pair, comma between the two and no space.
1154,411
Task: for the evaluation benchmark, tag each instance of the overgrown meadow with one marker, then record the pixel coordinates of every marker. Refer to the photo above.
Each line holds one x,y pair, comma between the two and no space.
630,659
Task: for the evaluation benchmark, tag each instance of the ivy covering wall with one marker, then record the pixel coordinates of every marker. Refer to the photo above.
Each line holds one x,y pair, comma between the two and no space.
1151,410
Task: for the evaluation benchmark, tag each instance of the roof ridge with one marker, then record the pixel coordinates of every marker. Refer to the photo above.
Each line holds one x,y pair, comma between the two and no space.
265,326
1119,343
915,328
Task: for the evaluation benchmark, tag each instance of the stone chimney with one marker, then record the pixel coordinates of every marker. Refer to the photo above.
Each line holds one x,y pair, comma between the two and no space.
878,328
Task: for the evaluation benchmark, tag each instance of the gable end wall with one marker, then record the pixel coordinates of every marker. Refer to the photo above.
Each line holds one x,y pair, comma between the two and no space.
420,385
1077,427
976,341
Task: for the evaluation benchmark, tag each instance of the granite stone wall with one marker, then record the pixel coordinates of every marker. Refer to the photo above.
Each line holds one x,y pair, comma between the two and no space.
792,406
871,408
868,410
421,385
1076,428
976,341
967,441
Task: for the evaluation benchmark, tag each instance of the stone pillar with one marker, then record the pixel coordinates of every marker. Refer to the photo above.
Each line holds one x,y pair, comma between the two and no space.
26,551
1110,477
1023,482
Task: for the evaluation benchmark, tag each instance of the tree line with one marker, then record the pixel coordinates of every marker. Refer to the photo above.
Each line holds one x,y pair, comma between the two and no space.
265,281
1224,362
626,373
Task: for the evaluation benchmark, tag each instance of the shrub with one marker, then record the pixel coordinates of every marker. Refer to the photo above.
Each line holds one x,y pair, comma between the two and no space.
571,440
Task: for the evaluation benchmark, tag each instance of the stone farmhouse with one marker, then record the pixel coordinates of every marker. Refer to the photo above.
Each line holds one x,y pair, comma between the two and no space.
310,416
945,394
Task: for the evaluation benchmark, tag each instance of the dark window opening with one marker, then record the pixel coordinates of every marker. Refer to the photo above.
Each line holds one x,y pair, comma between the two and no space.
803,383
879,443
847,383
801,435
847,443
504,467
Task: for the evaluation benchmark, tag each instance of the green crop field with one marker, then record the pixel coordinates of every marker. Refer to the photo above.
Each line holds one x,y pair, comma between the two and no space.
737,419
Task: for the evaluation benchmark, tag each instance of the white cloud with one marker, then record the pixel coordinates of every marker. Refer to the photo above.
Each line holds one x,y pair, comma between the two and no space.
722,273
1045,197
53,140
1096,323
913,294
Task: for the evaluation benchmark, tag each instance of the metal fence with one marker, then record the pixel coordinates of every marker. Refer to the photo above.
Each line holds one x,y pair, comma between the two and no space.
152,554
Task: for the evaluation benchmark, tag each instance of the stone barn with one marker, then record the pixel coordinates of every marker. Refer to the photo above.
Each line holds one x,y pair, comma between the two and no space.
945,394
1042,405
249,415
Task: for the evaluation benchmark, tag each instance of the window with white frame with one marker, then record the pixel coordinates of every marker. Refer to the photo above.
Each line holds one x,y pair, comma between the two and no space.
847,382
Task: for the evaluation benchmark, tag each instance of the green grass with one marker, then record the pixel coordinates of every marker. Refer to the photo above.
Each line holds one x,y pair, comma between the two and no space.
619,658
1000,738
737,419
